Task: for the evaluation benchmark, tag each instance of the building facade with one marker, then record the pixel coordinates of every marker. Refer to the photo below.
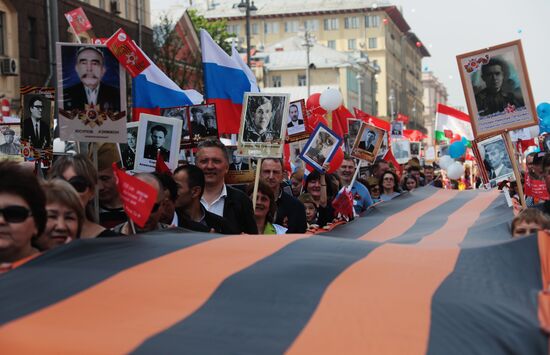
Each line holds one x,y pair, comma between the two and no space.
434,93
26,38
378,30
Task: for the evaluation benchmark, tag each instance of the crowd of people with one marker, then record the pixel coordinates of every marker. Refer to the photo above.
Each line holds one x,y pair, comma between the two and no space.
76,200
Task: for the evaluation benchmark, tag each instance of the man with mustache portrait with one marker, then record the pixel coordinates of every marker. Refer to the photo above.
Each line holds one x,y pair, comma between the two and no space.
90,67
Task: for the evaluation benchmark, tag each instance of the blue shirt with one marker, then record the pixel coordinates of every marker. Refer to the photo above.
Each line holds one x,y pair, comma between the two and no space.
361,197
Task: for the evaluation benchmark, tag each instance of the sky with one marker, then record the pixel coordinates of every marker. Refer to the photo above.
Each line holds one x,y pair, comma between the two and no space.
449,27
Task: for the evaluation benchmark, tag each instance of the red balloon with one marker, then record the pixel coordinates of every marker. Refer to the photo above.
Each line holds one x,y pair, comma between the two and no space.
313,106
456,137
312,122
336,161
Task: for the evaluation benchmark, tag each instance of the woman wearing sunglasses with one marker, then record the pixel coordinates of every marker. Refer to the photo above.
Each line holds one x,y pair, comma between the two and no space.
79,171
65,215
22,214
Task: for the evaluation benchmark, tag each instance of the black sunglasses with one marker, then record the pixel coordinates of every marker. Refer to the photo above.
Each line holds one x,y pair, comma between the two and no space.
15,214
79,183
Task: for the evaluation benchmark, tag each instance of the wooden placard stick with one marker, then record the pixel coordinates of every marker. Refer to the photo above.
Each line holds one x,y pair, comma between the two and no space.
512,155
256,182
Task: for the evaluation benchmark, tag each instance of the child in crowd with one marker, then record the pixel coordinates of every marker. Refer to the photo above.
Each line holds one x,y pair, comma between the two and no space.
529,221
311,208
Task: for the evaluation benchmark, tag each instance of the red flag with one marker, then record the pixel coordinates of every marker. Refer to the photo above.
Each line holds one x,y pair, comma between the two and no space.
391,159
377,122
340,120
402,118
78,21
536,189
138,197
286,159
343,203
127,52
413,135
160,165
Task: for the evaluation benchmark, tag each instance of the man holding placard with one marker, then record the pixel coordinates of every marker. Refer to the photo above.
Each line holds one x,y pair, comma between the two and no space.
361,196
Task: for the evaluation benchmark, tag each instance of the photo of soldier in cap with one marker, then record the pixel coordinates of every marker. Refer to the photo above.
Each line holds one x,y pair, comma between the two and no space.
11,144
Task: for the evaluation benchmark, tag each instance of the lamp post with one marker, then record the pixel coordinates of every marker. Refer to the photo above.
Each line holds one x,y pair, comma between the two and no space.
249,9
359,91
391,98
308,43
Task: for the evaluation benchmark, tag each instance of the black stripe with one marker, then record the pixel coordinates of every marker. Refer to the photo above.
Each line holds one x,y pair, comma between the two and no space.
434,219
379,214
488,304
262,309
72,268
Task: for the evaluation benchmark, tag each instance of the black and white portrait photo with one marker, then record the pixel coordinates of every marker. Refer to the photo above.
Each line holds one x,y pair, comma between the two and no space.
401,150
415,149
181,113
321,147
92,94
296,121
238,162
10,141
496,159
354,126
203,122
128,150
397,129
546,143
157,134
263,124
368,142
37,120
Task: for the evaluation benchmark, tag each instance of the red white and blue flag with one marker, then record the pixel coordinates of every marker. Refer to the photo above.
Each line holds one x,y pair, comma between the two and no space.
226,79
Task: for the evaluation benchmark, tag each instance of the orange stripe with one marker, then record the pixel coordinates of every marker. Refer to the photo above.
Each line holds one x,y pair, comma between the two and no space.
400,222
118,314
382,303
543,239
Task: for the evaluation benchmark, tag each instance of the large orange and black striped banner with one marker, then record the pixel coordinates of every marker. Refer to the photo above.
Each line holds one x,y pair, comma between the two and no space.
431,272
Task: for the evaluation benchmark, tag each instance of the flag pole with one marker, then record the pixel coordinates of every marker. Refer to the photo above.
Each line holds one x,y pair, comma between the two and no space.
256,182
512,155
96,192
359,161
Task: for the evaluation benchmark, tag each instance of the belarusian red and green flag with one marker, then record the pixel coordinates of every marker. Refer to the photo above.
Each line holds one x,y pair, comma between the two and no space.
450,122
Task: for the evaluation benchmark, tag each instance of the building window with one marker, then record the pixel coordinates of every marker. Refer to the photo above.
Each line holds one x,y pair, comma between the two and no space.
127,9
255,28
276,81
331,44
330,24
351,22
292,26
372,21
311,25
102,4
302,80
271,27
2,32
373,42
352,44
234,29
33,52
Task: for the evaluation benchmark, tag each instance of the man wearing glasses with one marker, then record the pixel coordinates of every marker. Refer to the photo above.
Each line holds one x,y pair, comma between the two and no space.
34,128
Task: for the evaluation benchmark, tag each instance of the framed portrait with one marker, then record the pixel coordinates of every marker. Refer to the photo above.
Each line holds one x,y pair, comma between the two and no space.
91,90
296,149
321,147
497,89
296,123
37,120
384,147
127,150
10,142
442,149
416,147
354,125
367,142
180,113
240,169
204,123
397,129
263,121
157,133
494,159
401,149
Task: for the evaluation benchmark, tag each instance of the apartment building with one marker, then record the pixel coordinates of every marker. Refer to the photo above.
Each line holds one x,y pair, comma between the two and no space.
434,93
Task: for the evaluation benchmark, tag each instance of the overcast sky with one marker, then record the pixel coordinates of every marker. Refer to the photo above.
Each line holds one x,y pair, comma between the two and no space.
450,27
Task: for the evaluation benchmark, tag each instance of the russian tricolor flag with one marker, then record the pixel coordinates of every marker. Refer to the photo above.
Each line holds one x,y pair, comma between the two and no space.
153,90
226,79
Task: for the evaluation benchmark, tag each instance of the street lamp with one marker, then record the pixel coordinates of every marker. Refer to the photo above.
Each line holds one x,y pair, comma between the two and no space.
391,98
359,93
249,9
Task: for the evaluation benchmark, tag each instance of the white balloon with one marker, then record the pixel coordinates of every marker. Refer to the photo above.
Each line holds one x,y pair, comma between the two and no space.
455,170
445,161
330,99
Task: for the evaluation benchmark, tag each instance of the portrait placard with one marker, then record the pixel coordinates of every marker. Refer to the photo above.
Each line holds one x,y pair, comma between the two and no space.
367,142
296,149
497,89
157,133
401,150
263,125
397,129
37,120
204,123
493,157
442,150
181,113
321,147
240,170
10,142
544,142
415,149
384,147
91,94
296,123
127,150
354,125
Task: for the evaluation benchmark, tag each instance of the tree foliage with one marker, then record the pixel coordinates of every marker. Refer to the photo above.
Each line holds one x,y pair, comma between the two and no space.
217,29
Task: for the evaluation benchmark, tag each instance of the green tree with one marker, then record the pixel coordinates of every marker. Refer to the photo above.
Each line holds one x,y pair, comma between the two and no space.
217,29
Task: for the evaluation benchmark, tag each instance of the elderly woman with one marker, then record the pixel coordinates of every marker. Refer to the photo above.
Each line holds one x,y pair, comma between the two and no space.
65,215
389,186
79,171
22,214
266,208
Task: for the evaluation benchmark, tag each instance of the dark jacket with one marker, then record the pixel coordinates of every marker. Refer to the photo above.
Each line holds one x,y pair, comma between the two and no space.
28,132
238,211
289,207
108,98
213,221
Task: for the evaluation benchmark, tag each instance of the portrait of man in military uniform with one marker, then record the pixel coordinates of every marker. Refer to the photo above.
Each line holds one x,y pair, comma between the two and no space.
263,119
11,144
157,135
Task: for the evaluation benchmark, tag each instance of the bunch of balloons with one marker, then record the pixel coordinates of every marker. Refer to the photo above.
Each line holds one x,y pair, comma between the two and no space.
543,111
454,168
